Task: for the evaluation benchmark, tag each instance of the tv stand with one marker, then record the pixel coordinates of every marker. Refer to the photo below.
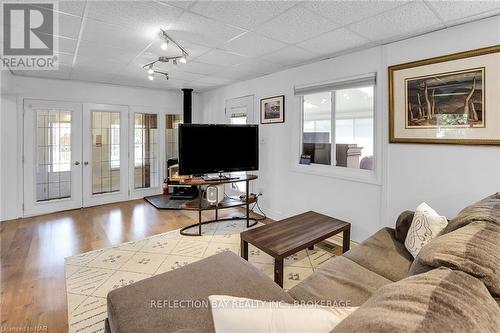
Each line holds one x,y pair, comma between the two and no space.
220,176
199,205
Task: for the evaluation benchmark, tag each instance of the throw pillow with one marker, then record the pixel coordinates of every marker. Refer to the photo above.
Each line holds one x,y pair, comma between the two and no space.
426,225
243,315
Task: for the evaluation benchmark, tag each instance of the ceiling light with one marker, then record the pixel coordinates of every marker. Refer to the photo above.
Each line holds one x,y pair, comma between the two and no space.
164,45
165,41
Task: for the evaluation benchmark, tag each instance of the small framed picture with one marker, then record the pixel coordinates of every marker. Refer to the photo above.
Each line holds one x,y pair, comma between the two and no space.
272,110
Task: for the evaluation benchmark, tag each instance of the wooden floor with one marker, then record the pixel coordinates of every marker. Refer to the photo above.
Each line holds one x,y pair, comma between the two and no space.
33,251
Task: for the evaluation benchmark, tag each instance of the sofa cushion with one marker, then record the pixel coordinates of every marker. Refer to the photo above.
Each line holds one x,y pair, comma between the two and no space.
474,249
442,300
403,224
487,209
383,254
341,281
130,309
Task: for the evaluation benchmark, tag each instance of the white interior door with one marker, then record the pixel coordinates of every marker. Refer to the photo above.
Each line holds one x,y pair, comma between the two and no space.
239,111
105,154
52,156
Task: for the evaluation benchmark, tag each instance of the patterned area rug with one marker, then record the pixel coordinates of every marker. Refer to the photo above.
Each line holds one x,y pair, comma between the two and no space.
90,276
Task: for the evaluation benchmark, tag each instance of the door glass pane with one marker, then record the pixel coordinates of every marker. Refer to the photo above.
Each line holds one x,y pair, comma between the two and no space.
172,135
354,127
317,127
53,160
145,150
105,152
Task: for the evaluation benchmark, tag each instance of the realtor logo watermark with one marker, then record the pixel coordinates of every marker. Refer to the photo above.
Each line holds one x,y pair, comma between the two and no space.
28,36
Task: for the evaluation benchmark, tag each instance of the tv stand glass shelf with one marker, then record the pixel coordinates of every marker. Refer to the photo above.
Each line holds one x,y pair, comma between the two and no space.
200,204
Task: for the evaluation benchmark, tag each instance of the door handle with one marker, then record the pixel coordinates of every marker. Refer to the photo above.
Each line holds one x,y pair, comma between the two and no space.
85,163
77,163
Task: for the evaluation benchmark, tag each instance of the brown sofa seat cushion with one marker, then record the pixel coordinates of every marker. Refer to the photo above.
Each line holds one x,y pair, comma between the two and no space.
383,254
442,300
129,308
339,280
474,249
487,209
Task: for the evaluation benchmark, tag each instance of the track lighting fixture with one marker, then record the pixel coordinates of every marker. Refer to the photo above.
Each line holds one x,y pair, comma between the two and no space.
166,39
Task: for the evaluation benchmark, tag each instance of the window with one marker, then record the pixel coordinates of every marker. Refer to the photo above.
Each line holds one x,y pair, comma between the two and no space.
172,135
338,123
145,150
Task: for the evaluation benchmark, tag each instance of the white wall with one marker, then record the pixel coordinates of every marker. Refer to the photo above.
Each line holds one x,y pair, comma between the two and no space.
447,177
15,89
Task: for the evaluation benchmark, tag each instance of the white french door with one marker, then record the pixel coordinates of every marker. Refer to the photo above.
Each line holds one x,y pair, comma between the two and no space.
52,156
66,167
105,154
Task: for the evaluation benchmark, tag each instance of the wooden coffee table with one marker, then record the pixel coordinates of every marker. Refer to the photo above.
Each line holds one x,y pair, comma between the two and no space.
286,237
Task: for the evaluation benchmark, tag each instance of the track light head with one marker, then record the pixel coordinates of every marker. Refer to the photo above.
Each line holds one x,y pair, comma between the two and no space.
164,45
151,77
151,70
174,61
182,59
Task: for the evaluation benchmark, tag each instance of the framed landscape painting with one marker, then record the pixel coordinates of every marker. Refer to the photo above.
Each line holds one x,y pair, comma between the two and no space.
452,99
272,110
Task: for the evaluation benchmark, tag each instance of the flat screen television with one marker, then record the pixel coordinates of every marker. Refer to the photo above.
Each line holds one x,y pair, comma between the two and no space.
207,149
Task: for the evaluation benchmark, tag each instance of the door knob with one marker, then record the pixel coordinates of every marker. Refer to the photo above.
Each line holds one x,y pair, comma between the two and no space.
77,163
85,163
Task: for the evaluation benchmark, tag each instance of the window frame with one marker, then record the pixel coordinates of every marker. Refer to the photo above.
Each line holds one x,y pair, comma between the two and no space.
333,171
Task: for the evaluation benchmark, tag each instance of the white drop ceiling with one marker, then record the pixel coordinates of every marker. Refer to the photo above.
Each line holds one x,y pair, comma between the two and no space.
228,41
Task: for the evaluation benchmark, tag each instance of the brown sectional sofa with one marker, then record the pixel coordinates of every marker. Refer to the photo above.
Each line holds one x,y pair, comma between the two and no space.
450,287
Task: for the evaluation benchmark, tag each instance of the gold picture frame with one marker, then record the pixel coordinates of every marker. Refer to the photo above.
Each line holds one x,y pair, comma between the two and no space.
442,100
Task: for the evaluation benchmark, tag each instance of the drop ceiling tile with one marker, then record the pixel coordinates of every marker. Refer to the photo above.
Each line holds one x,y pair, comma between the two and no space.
214,80
69,26
245,14
183,76
259,66
236,74
458,11
143,16
401,22
252,45
71,7
334,41
184,4
219,57
289,56
197,29
200,68
97,51
87,74
66,45
345,12
114,36
295,25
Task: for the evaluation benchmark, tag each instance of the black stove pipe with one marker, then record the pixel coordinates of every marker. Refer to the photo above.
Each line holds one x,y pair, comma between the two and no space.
187,105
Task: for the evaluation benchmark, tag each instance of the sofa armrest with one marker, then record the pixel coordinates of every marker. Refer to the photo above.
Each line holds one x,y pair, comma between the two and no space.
403,223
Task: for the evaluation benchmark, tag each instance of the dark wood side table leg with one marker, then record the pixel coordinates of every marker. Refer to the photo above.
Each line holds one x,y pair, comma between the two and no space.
311,247
248,204
278,272
244,249
346,240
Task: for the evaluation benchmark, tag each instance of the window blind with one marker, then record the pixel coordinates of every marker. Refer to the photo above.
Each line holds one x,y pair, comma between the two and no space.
348,83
